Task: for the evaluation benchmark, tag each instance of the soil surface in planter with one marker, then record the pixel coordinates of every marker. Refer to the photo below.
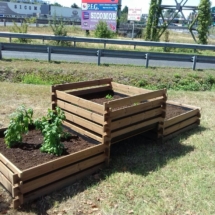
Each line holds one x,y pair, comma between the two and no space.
100,97
29,155
173,111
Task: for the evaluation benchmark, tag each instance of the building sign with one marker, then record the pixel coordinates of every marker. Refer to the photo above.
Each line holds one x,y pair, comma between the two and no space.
134,14
91,18
101,1
103,7
94,11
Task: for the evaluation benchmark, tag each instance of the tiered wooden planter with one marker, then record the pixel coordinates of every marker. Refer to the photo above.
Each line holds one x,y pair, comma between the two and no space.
115,120
29,184
181,123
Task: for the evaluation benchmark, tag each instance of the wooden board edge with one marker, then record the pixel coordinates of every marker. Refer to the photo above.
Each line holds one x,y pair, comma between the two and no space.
172,135
182,105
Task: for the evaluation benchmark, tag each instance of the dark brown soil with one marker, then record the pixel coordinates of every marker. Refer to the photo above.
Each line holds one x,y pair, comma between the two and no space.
101,97
28,154
173,110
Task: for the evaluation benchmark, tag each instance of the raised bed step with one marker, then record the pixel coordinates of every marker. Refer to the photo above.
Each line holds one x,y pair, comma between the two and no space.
34,182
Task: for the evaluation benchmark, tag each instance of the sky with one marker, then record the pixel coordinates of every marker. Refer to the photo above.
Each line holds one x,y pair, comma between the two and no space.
134,3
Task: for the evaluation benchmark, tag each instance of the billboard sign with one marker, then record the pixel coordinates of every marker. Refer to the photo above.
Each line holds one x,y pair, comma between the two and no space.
101,1
91,18
94,11
100,7
134,14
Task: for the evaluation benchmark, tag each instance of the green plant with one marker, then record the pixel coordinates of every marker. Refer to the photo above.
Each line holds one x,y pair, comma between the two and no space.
152,31
52,130
19,124
204,21
23,29
108,96
59,29
102,30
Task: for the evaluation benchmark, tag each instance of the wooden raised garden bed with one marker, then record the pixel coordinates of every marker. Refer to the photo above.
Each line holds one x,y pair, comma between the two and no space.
129,111
28,184
180,118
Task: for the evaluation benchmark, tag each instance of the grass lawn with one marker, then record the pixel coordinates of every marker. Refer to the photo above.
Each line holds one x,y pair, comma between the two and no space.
143,178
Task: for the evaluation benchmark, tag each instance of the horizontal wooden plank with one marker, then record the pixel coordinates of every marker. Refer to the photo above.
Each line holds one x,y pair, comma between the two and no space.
61,173
92,106
81,112
136,127
174,134
180,125
89,90
83,131
10,165
130,90
61,184
82,84
182,105
84,123
135,109
6,183
136,99
180,118
7,172
136,118
61,162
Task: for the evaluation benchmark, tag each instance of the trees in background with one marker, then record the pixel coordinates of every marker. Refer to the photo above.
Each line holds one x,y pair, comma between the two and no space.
74,6
152,31
204,21
57,4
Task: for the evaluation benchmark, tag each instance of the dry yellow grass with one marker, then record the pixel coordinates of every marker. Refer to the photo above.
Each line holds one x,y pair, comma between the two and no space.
15,95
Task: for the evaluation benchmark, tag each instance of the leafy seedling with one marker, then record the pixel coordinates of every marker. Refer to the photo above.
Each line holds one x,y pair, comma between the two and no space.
19,125
108,96
52,130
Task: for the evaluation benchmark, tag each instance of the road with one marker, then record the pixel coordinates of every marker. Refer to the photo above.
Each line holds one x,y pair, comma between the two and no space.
104,60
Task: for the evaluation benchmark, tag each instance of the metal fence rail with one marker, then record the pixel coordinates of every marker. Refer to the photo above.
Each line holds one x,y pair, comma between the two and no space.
100,53
108,41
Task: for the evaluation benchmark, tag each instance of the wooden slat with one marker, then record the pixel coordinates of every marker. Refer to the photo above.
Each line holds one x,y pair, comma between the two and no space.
61,184
83,131
82,84
135,118
180,125
172,135
182,105
10,165
81,112
16,203
7,172
6,183
180,118
61,162
128,89
135,109
90,90
80,102
59,174
84,123
135,127
137,98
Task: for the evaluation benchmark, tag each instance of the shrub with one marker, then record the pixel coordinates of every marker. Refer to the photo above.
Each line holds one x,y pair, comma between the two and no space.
23,29
59,29
102,30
